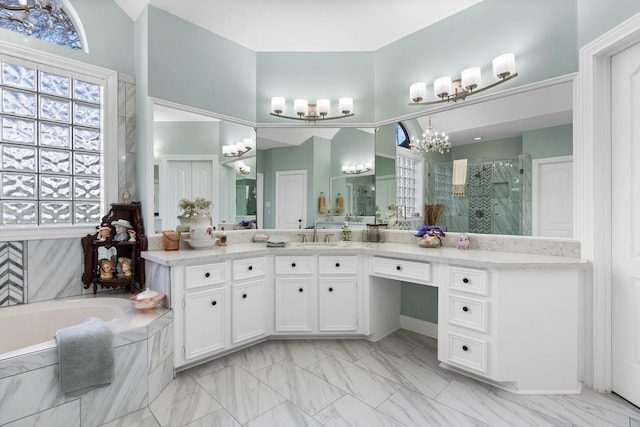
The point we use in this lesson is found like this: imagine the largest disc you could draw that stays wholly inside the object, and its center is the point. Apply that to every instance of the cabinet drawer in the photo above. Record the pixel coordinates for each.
(469, 280)
(468, 352)
(469, 312)
(248, 268)
(293, 265)
(337, 264)
(410, 271)
(204, 275)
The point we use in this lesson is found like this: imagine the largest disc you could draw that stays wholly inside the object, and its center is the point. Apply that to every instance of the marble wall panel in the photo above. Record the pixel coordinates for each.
(67, 415)
(54, 269)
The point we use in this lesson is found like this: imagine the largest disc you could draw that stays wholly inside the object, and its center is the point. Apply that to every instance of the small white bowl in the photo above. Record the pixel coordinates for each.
(201, 244)
(147, 300)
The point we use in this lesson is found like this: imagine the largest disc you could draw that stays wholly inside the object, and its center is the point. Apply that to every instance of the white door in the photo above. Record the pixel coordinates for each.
(552, 204)
(184, 179)
(291, 199)
(625, 207)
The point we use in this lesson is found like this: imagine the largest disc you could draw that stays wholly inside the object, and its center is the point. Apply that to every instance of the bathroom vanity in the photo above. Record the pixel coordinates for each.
(506, 318)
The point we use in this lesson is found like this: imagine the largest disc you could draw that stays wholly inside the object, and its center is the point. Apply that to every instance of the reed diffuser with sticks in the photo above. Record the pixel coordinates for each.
(432, 213)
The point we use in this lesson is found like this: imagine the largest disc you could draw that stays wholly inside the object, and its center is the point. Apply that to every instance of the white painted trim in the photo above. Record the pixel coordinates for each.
(419, 326)
(592, 150)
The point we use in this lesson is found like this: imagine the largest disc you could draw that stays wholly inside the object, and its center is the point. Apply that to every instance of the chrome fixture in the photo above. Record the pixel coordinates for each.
(431, 141)
(243, 168)
(311, 112)
(448, 90)
(238, 149)
(356, 169)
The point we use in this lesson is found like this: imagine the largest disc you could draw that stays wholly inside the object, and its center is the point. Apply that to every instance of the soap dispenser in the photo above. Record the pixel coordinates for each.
(346, 232)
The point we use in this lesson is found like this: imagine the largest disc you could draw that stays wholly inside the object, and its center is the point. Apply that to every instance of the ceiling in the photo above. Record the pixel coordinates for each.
(307, 25)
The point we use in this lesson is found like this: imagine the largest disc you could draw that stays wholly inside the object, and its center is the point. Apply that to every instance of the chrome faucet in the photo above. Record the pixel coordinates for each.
(315, 230)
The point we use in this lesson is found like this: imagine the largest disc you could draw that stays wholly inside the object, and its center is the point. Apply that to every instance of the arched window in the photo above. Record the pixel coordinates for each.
(42, 19)
(409, 167)
(402, 136)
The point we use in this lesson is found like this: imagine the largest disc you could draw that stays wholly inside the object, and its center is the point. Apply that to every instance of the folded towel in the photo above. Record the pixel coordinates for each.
(323, 203)
(339, 204)
(277, 242)
(459, 177)
(85, 356)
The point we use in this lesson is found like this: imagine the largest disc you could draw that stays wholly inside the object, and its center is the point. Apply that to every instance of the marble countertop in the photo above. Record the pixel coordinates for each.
(470, 258)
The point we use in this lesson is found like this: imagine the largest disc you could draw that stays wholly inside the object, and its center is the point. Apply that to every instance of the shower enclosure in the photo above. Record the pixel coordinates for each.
(497, 198)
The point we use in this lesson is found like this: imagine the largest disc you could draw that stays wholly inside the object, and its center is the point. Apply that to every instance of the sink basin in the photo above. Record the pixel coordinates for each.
(317, 245)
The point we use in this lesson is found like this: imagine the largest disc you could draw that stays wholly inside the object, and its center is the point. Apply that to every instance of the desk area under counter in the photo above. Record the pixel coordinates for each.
(508, 318)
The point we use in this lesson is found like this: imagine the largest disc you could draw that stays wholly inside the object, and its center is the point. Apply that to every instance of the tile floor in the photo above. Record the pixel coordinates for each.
(394, 382)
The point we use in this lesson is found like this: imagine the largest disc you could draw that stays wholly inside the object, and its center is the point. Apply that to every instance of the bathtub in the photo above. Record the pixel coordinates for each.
(29, 384)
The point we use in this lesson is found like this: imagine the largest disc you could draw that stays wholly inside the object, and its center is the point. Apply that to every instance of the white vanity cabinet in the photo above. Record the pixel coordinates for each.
(338, 293)
(294, 299)
(248, 307)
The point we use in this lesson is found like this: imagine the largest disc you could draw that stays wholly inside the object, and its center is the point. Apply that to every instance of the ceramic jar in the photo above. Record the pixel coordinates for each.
(201, 229)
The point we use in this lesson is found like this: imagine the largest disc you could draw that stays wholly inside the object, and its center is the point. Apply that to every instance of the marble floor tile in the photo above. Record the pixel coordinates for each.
(414, 409)
(351, 412)
(396, 344)
(609, 401)
(285, 414)
(302, 388)
(209, 367)
(141, 418)
(417, 339)
(359, 382)
(181, 402)
(301, 352)
(404, 372)
(254, 358)
(351, 350)
(219, 418)
(240, 393)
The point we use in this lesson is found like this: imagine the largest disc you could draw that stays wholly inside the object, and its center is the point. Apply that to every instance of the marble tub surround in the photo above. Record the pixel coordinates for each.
(486, 242)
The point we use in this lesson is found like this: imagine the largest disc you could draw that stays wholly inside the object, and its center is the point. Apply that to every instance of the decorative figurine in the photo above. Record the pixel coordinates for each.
(126, 197)
(463, 241)
(122, 225)
(132, 235)
(125, 267)
(106, 269)
(104, 232)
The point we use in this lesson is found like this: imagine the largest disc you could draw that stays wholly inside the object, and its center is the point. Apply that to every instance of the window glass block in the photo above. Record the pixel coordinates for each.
(86, 115)
(55, 85)
(55, 161)
(55, 187)
(18, 103)
(53, 135)
(87, 212)
(85, 91)
(55, 109)
(86, 164)
(87, 188)
(86, 139)
(21, 186)
(17, 76)
(55, 213)
(18, 130)
(18, 213)
(18, 158)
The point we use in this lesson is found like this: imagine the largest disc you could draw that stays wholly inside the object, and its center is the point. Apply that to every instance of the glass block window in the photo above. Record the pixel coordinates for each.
(408, 175)
(51, 159)
(42, 19)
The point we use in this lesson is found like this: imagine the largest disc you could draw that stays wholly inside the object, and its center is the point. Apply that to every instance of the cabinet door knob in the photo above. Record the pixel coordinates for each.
(300, 290)
(330, 289)
(465, 308)
(207, 274)
(465, 280)
(214, 302)
(250, 267)
(398, 267)
(293, 264)
(244, 295)
(465, 348)
(337, 264)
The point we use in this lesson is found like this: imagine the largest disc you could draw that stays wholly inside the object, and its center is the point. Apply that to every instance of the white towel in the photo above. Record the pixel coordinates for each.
(459, 184)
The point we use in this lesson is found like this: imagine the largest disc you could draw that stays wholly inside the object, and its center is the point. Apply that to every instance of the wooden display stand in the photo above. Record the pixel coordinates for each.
(113, 260)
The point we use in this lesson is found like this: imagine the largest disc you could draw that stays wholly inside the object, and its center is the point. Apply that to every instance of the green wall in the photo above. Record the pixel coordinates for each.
(550, 142)
(186, 138)
(419, 302)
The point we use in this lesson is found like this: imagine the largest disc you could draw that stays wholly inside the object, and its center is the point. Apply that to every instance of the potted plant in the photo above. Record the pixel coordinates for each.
(199, 207)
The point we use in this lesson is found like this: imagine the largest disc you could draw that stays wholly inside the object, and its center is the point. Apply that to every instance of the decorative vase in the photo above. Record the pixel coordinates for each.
(430, 241)
(201, 229)
(185, 224)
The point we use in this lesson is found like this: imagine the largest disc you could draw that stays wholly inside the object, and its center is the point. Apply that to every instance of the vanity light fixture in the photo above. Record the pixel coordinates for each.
(431, 141)
(238, 149)
(311, 112)
(356, 169)
(447, 90)
(243, 168)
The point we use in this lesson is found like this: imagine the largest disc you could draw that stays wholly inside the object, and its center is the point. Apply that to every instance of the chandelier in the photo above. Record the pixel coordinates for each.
(431, 141)
(311, 112)
(238, 149)
(448, 90)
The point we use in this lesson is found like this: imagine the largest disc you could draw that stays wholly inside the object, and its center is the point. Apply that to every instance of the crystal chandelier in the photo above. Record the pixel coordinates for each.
(431, 141)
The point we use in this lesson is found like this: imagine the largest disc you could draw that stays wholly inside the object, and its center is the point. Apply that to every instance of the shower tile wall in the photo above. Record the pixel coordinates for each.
(13, 271)
(479, 193)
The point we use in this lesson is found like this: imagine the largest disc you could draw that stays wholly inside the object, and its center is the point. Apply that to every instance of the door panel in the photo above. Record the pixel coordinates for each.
(552, 202)
(291, 199)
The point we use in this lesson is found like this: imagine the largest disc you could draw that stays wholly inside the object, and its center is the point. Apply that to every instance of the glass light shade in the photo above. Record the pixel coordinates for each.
(442, 86)
(301, 106)
(233, 150)
(360, 167)
(368, 166)
(418, 91)
(240, 147)
(352, 168)
(345, 168)
(345, 105)
(277, 104)
(504, 65)
(471, 78)
(248, 142)
(226, 150)
(323, 106)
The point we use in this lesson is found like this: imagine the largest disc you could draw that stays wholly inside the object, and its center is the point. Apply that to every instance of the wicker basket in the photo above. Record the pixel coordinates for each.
(171, 240)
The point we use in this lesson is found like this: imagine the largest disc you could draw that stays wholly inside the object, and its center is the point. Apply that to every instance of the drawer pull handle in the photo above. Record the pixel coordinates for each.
(337, 264)
(250, 267)
(330, 289)
(244, 296)
(465, 308)
(301, 289)
(214, 302)
(465, 348)
(207, 274)
(465, 280)
(293, 264)
(398, 267)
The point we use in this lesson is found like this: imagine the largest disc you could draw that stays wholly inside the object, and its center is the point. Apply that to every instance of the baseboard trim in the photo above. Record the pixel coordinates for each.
(419, 326)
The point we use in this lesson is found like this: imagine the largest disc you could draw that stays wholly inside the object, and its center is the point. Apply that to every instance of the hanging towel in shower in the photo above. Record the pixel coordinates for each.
(339, 204)
(459, 184)
(322, 203)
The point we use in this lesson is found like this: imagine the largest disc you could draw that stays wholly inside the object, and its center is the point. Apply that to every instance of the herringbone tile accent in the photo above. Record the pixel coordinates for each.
(12, 273)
